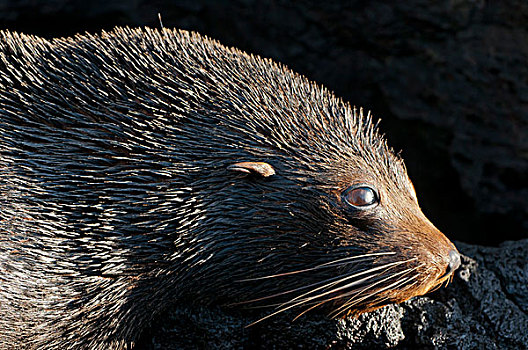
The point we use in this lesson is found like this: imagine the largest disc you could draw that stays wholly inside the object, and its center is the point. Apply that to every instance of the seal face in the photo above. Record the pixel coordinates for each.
(139, 168)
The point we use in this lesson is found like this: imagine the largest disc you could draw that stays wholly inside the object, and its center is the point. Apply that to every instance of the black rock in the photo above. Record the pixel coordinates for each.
(485, 307)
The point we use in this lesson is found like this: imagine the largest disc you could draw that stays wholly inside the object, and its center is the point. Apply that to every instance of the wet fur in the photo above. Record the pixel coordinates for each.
(116, 198)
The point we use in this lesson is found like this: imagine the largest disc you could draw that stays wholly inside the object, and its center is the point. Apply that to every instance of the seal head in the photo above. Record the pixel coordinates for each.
(139, 168)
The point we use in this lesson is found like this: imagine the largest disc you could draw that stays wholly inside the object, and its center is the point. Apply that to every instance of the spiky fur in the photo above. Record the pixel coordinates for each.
(114, 196)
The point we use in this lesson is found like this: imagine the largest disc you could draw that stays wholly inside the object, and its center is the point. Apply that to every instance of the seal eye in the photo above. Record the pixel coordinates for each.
(361, 196)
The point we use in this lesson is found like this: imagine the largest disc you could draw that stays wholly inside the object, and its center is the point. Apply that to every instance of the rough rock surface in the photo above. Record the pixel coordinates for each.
(485, 307)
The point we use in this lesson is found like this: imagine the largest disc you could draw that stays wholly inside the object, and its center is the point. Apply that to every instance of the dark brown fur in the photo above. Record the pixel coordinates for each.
(117, 195)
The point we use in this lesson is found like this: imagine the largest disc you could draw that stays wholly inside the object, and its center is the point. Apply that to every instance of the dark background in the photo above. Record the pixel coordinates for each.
(449, 79)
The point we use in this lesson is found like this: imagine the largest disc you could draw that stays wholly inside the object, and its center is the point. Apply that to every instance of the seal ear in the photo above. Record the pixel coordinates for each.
(257, 168)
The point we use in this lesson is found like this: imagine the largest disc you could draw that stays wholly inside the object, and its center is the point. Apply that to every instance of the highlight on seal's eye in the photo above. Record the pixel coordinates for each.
(361, 196)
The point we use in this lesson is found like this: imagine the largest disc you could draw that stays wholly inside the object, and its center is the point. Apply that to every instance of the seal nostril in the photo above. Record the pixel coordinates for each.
(454, 260)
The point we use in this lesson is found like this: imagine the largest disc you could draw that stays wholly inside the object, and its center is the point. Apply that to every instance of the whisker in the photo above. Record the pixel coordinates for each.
(407, 287)
(332, 298)
(283, 293)
(340, 296)
(450, 279)
(298, 301)
(352, 301)
(325, 265)
(438, 286)
(357, 257)
(386, 266)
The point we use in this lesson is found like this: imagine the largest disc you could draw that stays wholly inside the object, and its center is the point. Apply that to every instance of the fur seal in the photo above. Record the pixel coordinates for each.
(141, 167)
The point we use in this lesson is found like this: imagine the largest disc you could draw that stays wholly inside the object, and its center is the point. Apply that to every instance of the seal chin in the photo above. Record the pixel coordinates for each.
(454, 263)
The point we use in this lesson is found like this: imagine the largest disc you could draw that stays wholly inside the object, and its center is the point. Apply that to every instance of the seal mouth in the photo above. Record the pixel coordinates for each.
(454, 263)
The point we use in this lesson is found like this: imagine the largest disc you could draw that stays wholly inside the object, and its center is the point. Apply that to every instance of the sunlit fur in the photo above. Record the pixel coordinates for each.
(116, 199)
